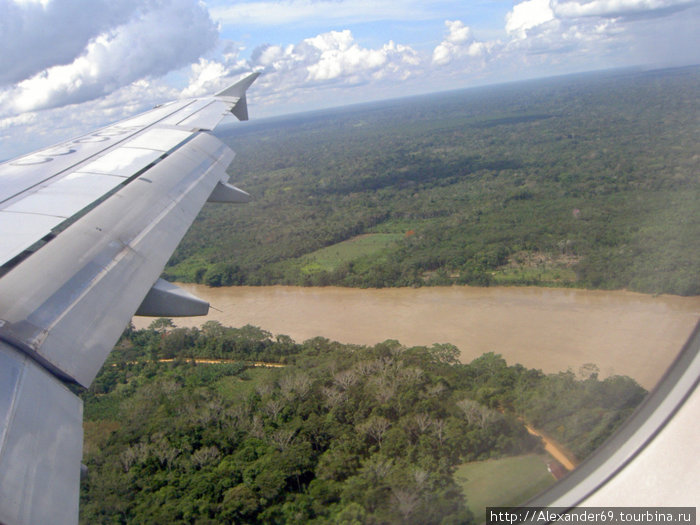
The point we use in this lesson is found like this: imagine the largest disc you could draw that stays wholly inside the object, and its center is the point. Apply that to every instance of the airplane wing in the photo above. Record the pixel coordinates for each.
(86, 228)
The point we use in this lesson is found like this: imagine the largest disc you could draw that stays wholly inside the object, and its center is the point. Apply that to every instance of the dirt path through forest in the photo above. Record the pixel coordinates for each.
(211, 361)
(555, 450)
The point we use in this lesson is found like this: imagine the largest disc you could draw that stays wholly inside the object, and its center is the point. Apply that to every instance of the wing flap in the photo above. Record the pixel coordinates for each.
(67, 196)
(45, 208)
(160, 138)
(123, 162)
(225, 192)
(204, 114)
(20, 231)
(207, 118)
(41, 167)
(167, 300)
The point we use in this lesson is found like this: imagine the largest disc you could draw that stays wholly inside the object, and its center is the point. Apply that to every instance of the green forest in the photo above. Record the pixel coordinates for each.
(586, 181)
(333, 433)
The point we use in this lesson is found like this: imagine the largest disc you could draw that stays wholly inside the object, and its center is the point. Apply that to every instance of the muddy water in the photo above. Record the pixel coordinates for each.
(552, 329)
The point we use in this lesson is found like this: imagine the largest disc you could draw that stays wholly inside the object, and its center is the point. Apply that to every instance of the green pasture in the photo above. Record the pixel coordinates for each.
(239, 386)
(331, 257)
(539, 276)
(502, 482)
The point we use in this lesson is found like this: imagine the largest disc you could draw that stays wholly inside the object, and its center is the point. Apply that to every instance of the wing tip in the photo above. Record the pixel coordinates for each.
(239, 88)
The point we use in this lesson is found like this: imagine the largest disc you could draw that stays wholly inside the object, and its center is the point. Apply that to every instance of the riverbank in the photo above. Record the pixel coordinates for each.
(548, 328)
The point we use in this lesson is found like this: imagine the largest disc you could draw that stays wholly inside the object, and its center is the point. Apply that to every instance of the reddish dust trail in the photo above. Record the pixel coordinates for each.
(210, 361)
(555, 450)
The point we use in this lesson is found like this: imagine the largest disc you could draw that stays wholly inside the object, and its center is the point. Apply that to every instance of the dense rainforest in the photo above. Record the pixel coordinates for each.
(588, 180)
(333, 433)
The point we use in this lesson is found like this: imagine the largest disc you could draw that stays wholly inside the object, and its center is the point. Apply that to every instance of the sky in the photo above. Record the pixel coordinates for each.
(70, 66)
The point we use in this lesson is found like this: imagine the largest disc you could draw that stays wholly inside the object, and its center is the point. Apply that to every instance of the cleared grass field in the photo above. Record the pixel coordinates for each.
(551, 276)
(502, 482)
(330, 257)
(232, 387)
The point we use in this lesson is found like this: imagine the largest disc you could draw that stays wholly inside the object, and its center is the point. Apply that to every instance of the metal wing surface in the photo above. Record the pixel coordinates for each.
(86, 228)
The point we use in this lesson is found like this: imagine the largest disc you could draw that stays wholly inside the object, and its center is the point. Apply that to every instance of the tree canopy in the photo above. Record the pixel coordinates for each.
(340, 434)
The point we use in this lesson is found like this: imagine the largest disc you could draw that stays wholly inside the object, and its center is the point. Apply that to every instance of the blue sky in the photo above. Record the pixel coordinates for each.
(69, 66)
(417, 23)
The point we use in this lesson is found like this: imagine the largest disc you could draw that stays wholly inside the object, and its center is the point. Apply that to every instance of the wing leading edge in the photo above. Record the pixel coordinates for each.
(85, 236)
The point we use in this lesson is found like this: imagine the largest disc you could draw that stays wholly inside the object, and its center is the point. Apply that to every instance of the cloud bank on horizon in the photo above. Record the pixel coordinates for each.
(67, 66)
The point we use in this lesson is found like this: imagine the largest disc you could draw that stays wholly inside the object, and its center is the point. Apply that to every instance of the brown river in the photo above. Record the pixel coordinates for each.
(551, 329)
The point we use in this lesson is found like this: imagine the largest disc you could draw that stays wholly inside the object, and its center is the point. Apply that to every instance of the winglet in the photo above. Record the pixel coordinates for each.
(237, 90)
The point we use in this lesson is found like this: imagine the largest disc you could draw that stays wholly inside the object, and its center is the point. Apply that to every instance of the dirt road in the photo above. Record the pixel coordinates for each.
(555, 450)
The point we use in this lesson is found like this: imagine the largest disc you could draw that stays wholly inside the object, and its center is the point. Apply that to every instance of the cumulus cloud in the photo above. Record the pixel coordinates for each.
(532, 17)
(334, 56)
(561, 46)
(202, 76)
(590, 30)
(526, 15)
(459, 43)
(311, 68)
(37, 35)
(160, 37)
(560, 36)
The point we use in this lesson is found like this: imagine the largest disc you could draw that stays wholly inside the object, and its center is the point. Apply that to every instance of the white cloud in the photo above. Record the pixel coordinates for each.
(594, 33)
(31, 130)
(18, 120)
(338, 56)
(526, 15)
(562, 15)
(335, 57)
(171, 35)
(306, 73)
(293, 72)
(38, 34)
(460, 43)
(210, 76)
(203, 74)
